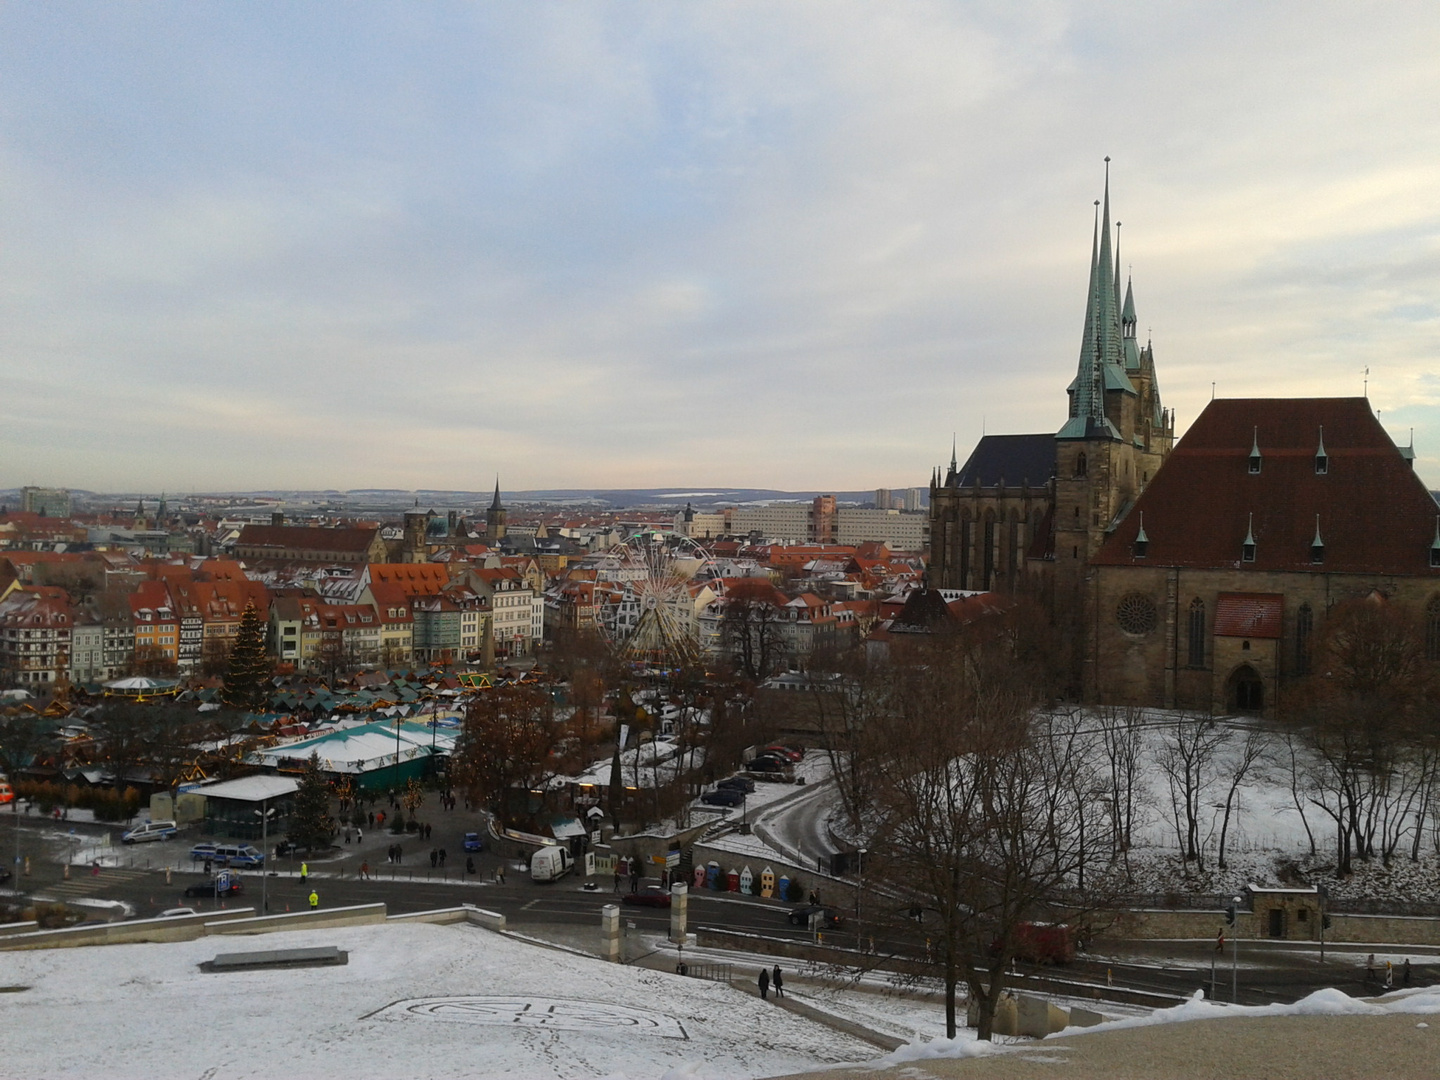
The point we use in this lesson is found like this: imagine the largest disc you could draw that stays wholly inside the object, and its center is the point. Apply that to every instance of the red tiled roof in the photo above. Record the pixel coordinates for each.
(305, 538)
(1249, 615)
(1375, 515)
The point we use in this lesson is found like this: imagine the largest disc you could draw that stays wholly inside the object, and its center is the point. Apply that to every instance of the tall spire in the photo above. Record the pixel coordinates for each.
(1087, 391)
(495, 504)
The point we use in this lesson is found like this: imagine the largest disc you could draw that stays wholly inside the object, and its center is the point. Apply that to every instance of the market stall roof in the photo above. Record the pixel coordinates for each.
(247, 788)
(363, 748)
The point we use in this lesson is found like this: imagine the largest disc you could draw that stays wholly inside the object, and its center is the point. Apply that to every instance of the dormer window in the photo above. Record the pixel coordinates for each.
(1435, 545)
(1255, 458)
(1142, 542)
(1317, 545)
(1247, 549)
(1322, 460)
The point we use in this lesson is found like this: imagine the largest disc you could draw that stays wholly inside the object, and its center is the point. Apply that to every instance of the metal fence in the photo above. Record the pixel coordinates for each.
(712, 972)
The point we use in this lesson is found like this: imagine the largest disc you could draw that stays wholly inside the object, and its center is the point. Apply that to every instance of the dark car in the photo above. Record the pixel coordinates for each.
(650, 896)
(789, 753)
(207, 888)
(765, 763)
(472, 842)
(723, 797)
(829, 917)
(738, 783)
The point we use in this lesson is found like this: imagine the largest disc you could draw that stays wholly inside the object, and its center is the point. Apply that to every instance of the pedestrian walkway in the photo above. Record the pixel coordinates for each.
(85, 883)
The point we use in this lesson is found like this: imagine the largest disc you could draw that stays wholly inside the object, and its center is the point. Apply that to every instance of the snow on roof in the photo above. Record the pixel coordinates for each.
(248, 788)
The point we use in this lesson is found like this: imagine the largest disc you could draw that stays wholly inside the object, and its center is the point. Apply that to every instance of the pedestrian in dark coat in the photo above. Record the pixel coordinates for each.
(617, 880)
(777, 982)
(1405, 973)
(764, 984)
(442, 856)
(434, 858)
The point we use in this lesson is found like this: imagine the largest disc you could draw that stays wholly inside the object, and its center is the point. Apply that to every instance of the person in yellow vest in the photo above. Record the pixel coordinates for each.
(304, 871)
(314, 900)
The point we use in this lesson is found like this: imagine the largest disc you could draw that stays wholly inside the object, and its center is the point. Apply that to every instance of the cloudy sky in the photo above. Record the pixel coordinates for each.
(793, 245)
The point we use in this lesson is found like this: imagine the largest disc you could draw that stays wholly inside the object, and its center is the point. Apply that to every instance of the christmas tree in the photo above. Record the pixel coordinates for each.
(247, 678)
(311, 825)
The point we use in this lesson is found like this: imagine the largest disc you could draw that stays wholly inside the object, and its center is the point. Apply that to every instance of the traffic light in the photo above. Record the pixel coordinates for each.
(1230, 915)
(1325, 922)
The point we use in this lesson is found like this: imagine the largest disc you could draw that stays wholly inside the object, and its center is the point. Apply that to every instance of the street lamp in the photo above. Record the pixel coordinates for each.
(264, 814)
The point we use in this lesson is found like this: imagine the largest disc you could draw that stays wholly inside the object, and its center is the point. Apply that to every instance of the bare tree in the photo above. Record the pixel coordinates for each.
(1187, 760)
(1252, 752)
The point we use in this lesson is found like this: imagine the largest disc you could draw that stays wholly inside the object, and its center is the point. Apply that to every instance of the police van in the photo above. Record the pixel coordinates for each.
(150, 830)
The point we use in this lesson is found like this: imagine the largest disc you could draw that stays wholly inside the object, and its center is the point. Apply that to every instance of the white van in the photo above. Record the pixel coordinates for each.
(550, 864)
(151, 830)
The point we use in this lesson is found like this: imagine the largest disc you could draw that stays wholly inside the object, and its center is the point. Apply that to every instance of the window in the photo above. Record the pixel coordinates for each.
(1136, 614)
(1195, 628)
(1080, 464)
(1322, 464)
(1247, 551)
(1304, 627)
(1432, 629)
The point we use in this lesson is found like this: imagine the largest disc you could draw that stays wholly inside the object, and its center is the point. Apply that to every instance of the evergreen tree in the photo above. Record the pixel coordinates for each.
(311, 825)
(247, 678)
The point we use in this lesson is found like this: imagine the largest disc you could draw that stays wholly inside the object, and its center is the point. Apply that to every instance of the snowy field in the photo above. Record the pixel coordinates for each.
(414, 1001)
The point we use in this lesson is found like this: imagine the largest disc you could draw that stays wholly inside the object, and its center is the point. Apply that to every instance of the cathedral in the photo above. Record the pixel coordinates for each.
(1052, 498)
(1193, 575)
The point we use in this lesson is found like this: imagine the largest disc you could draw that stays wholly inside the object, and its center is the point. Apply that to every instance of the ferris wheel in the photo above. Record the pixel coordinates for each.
(650, 614)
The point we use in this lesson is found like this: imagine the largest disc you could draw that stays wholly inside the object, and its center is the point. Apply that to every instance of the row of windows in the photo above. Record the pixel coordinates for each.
(1304, 630)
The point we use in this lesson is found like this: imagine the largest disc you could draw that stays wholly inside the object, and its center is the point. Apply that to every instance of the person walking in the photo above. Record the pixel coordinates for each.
(304, 872)
(777, 982)
(1405, 972)
(434, 858)
(442, 856)
(617, 879)
(359, 835)
(365, 870)
(399, 855)
(635, 876)
(764, 983)
(314, 900)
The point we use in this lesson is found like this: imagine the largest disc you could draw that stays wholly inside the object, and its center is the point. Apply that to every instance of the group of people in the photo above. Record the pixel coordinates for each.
(771, 978)
(437, 857)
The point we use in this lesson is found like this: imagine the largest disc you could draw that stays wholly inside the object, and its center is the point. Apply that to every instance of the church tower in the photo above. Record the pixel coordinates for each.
(495, 519)
(1118, 433)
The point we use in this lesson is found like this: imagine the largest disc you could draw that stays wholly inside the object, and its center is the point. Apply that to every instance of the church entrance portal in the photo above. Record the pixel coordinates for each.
(1246, 692)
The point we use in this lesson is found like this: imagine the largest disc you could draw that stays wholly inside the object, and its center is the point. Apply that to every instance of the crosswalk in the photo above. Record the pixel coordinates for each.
(84, 883)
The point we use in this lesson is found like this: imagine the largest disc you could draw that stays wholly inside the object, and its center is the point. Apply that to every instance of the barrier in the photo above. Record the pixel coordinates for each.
(359, 915)
(175, 928)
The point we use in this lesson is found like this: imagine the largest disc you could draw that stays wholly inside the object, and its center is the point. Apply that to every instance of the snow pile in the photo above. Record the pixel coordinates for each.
(414, 1001)
(1329, 1002)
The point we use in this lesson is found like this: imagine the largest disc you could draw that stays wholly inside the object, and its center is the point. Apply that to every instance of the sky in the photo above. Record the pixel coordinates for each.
(789, 245)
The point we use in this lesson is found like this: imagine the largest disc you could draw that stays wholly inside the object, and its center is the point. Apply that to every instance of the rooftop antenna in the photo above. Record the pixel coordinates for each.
(1212, 391)
(1367, 381)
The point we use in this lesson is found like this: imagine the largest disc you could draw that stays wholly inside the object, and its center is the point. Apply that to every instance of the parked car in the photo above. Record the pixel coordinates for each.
(150, 830)
(472, 842)
(207, 888)
(789, 753)
(723, 797)
(650, 896)
(739, 783)
(286, 847)
(830, 919)
(765, 763)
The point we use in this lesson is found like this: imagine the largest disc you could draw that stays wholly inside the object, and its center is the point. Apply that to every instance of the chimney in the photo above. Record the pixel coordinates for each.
(277, 518)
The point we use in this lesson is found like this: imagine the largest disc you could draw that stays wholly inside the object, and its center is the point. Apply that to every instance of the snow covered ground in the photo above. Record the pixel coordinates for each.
(414, 1001)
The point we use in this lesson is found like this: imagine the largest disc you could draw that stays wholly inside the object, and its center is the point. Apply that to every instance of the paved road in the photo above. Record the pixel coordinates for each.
(1270, 970)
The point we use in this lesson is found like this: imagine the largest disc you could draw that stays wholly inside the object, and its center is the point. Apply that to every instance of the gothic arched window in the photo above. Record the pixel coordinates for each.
(1432, 629)
(1080, 464)
(1304, 627)
(1195, 633)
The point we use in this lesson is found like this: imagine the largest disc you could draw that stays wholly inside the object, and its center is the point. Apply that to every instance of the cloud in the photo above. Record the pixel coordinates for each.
(787, 245)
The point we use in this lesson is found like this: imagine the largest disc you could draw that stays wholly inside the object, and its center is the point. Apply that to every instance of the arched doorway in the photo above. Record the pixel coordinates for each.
(1245, 691)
